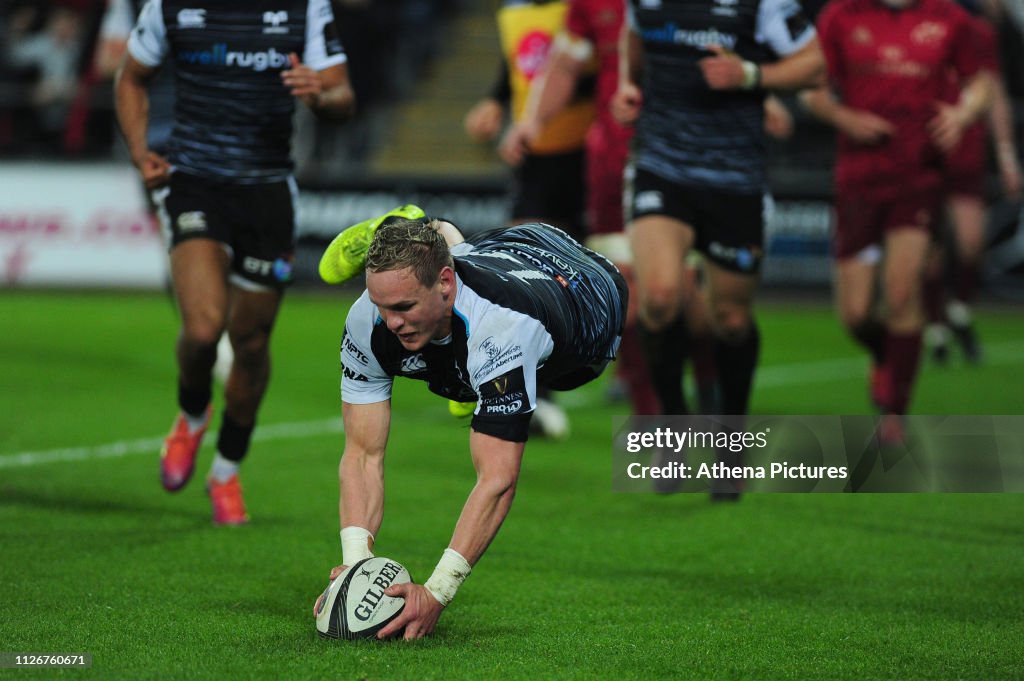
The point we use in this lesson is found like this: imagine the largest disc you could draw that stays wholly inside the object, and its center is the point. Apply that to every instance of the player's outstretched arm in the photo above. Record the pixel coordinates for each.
(497, 464)
(361, 477)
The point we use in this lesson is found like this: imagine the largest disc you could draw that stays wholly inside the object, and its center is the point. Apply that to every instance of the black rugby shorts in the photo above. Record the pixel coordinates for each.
(255, 222)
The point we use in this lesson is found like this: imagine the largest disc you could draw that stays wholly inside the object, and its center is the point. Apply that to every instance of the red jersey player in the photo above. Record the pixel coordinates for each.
(890, 61)
(965, 170)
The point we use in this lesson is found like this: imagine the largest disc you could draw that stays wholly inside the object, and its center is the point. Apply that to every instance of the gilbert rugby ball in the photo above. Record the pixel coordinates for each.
(354, 605)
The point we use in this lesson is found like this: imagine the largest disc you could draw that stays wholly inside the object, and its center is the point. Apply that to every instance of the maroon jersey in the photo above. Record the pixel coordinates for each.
(895, 63)
(599, 23)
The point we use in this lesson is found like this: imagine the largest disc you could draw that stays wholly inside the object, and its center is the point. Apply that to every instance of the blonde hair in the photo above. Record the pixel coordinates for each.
(403, 243)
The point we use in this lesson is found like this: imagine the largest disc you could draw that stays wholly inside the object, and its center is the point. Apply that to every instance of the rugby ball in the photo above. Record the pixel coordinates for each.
(354, 605)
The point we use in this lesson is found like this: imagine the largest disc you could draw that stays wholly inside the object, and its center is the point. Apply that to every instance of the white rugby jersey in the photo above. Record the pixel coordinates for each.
(532, 307)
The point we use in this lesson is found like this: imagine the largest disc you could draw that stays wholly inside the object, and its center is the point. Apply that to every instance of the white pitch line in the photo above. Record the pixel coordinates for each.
(826, 370)
(803, 373)
(151, 445)
(822, 371)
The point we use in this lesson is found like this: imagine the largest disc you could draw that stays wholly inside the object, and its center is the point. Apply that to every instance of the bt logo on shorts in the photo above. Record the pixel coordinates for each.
(280, 269)
(745, 258)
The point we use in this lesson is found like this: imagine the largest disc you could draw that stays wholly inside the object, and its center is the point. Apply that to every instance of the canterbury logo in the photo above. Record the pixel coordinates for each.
(411, 365)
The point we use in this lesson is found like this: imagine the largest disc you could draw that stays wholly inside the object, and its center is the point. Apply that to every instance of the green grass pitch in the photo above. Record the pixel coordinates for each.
(580, 583)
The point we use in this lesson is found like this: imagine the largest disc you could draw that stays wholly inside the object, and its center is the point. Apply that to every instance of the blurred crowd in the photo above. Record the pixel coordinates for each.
(56, 83)
(44, 73)
(56, 72)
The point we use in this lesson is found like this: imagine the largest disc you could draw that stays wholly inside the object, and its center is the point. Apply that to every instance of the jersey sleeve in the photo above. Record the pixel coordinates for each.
(363, 380)
(783, 26)
(502, 360)
(147, 43)
(828, 37)
(117, 21)
(323, 45)
(575, 38)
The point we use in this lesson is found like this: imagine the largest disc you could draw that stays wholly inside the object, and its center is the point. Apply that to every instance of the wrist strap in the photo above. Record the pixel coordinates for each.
(751, 75)
(355, 545)
(450, 573)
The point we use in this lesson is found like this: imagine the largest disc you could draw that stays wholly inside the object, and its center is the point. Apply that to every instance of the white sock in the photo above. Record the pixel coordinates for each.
(959, 313)
(936, 334)
(222, 469)
(195, 422)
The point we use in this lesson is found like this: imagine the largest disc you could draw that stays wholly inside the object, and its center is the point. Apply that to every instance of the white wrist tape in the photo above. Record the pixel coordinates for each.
(450, 573)
(751, 75)
(355, 545)
(578, 48)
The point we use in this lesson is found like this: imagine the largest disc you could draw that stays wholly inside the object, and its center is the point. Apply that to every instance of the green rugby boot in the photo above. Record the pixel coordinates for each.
(461, 410)
(345, 257)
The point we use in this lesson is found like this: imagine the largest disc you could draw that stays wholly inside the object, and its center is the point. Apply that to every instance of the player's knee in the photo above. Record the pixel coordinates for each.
(201, 333)
(659, 305)
(900, 298)
(251, 349)
(970, 248)
(732, 323)
(854, 317)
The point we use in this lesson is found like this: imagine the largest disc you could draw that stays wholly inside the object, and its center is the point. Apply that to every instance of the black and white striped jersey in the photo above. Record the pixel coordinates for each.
(233, 115)
(532, 306)
(688, 133)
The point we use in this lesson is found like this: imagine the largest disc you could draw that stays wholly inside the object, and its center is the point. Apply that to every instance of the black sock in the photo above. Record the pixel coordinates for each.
(192, 401)
(233, 441)
(666, 351)
(871, 334)
(736, 361)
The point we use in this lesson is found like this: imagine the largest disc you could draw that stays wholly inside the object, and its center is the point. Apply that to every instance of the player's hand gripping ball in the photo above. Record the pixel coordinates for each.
(354, 605)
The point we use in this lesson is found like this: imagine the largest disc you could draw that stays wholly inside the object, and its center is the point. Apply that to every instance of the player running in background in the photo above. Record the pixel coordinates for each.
(548, 179)
(591, 31)
(965, 172)
(699, 162)
(489, 320)
(889, 61)
(227, 196)
(111, 45)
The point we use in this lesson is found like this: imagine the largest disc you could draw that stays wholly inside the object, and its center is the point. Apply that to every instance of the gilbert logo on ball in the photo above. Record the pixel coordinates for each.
(354, 605)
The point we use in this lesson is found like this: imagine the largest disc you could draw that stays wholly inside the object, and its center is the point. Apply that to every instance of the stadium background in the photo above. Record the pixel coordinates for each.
(581, 583)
